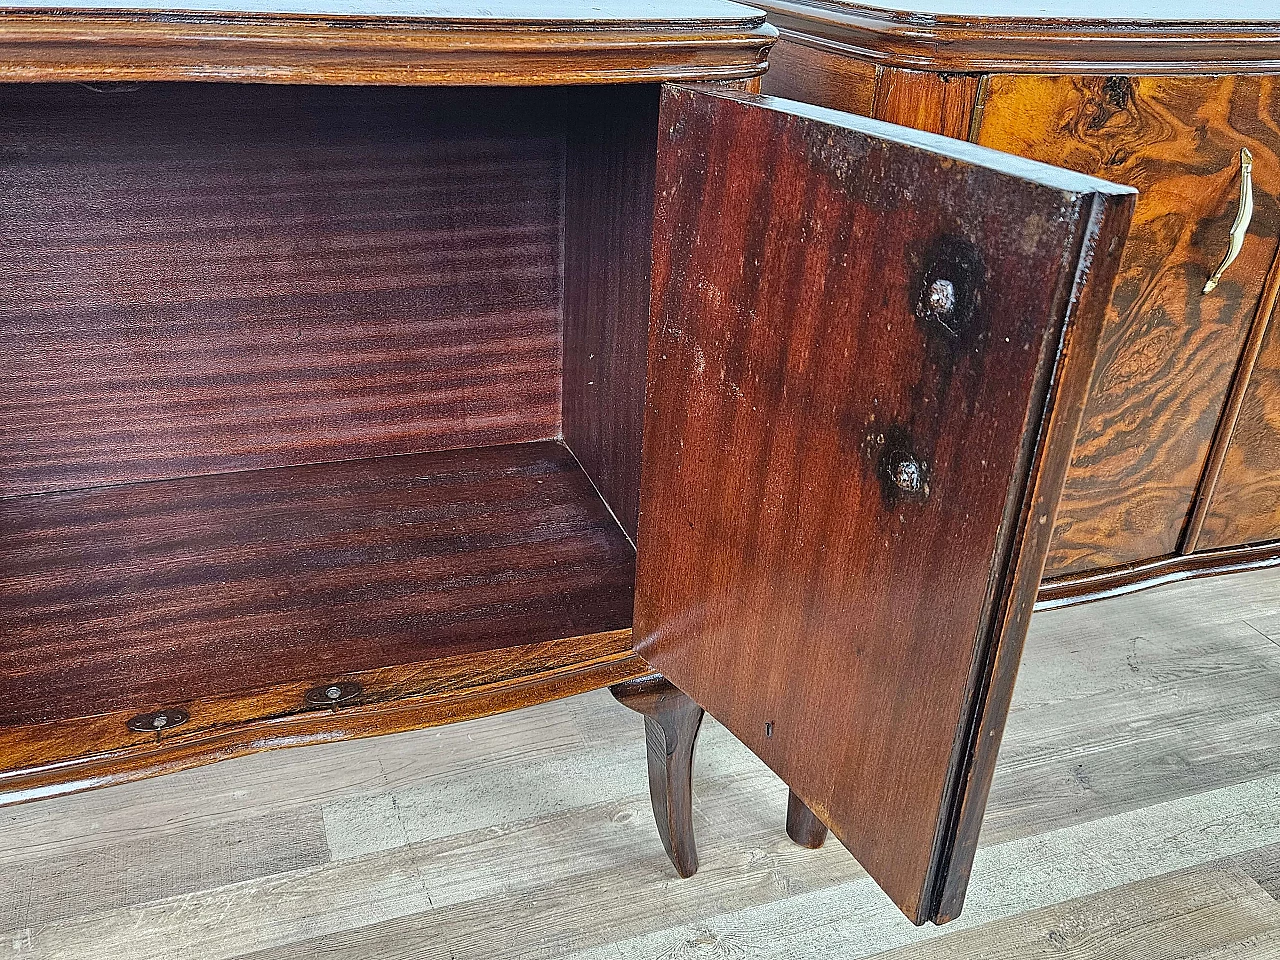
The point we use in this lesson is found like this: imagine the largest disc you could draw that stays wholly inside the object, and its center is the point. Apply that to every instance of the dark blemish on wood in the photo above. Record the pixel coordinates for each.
(1114, 96)
(903, 473)
(948, 288)
(1118, 91)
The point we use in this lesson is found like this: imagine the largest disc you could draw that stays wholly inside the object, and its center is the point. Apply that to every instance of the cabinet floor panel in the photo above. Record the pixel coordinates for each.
(151, 595)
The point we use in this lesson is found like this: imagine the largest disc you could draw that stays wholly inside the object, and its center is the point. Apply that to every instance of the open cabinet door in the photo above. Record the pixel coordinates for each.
(869, 349)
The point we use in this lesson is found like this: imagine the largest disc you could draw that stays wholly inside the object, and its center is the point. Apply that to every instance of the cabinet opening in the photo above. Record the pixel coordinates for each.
(305, 381)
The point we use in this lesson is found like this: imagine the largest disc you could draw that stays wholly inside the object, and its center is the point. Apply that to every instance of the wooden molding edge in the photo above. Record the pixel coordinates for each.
(951, 44)
(1117, 581)
(64, 757)
(127, 46)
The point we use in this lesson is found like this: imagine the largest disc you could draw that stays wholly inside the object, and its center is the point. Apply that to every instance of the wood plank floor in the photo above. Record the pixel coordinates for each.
(1135, 814)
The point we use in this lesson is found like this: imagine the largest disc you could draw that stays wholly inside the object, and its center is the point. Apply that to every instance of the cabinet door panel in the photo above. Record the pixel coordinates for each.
(1245, 505)
(1167, 351)
(868, 353)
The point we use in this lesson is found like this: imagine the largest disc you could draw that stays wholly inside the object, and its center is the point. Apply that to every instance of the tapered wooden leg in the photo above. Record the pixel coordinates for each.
(802, 826)
(671, 722)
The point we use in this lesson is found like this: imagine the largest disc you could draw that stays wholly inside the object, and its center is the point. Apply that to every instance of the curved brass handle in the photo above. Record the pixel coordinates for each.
(1243, 216)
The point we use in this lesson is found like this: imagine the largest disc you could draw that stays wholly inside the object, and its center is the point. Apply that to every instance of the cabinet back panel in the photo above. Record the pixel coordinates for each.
(200, 278)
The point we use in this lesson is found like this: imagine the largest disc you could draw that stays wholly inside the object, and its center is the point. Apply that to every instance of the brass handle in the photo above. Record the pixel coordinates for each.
(1243, 216)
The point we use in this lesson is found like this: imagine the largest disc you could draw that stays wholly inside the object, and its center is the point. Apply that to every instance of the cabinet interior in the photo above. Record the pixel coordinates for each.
(298, 381)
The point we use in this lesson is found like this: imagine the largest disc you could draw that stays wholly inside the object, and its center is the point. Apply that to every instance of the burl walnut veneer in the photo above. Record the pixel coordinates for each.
(367, 368)
(1176, 470)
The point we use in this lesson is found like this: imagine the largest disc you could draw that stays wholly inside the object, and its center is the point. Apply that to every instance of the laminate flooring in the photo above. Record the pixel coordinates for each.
(1135, 814)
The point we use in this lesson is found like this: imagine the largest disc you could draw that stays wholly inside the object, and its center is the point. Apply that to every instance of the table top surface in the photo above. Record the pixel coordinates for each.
(1044, 36)
(534, 12)
(457, 42)
(1078, 11)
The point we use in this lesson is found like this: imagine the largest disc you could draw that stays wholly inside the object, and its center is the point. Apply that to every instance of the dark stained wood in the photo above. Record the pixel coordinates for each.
(837, 464)
(612, 137)
(1167, 352)
(1030, 36)
(671, 722)
(68, 756)
(934, 102)
(800, 71)
(203, 278)
(149, 595)
(1131, 577)
(1100, 256)
(802, 826)
(1254, 458)
(385, 42)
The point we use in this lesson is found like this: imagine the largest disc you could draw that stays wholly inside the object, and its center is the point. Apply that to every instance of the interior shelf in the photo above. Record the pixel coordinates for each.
(146, 595)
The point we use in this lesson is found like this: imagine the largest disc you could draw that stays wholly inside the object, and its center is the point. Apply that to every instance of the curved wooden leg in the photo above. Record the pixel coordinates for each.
(802, 826)
(671, 722)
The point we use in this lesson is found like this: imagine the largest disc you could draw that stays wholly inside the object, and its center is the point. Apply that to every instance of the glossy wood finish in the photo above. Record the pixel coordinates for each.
(384, 42)
(926, 101)
(1025, 36)
(802, 826)
(1245, 505)
(805, 70)
(70, 756)
(1236, 395)
(671, 722)
(836, 464)
(527, 836)
(612, 139)
(1178, 372)
(1131, 578)
(1168, 352)
(153, 595)
(205, 278)
(801, 71)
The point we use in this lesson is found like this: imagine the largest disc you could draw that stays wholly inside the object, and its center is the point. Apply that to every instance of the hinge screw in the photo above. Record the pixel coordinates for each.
(942, 299)
(907, 474)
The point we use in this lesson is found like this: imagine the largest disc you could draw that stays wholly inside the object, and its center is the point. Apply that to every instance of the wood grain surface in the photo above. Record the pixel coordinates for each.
(69, 756)
(926, 101)
(385, 42)
(1167, 351)
(1140, 774)
(149, 595)
(1231, 410)
(804, 69)
(1245, 504)
(798, 70)
(608, 233)
(846, 486)
(1145, 574)
(203, 278)
(979, 36)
